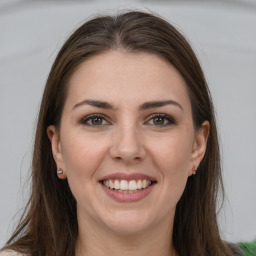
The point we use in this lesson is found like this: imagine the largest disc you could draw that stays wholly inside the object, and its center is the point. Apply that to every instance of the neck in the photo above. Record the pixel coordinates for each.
(95, 241)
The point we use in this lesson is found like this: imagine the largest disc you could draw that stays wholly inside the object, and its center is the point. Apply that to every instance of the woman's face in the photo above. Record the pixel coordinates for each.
(126, 142)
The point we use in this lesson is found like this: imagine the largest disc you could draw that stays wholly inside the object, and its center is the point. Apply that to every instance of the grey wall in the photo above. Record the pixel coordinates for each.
(224, 37)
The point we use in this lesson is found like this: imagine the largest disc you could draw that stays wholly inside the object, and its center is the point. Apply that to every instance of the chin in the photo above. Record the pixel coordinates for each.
(128, 222)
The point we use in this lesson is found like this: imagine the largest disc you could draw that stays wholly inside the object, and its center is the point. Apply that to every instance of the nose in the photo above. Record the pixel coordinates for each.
(127, 145)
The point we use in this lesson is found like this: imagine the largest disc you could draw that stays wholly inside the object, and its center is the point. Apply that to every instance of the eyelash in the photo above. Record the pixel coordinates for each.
(169, 119)
(86, 119)
(166, 118)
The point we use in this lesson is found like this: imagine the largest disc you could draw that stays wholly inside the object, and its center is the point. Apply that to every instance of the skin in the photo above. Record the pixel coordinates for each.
(127, 139)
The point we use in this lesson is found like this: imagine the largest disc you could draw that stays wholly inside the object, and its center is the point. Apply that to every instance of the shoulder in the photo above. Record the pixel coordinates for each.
(248, 248)
(10, 253)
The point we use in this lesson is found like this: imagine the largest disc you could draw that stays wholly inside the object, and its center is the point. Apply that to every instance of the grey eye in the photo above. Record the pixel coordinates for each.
(161, 120)
(94, 120)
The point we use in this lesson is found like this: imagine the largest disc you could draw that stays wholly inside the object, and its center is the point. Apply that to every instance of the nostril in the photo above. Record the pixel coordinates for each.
(127, 152)
(123, 158)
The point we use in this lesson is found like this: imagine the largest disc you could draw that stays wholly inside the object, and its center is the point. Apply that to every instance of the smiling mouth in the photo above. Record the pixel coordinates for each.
(127, 186)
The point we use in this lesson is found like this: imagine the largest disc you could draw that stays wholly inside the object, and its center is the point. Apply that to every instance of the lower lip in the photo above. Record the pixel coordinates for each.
(128, 197)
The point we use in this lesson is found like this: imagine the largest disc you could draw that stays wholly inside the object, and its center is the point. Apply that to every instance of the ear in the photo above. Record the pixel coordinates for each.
(199, 146)
(54, 138)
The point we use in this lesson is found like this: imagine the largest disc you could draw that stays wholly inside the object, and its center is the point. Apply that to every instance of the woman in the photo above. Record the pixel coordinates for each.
(127, 124)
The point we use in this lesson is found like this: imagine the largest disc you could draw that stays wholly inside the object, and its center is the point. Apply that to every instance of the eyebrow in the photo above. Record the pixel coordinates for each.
(157, 104)
(95, 103)
(144, 106)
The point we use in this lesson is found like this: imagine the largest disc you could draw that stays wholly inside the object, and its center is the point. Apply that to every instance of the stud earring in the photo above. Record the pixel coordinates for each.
(194, 170)
(59, 171)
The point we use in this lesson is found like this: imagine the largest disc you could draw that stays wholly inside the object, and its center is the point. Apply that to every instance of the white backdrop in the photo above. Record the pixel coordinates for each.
(224, 38)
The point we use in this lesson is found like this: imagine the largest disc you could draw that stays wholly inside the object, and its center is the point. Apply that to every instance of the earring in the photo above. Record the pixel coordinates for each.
(194, 170)
(59, 171)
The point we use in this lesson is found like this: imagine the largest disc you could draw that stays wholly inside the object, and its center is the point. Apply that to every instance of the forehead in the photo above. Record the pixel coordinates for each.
(119, 76)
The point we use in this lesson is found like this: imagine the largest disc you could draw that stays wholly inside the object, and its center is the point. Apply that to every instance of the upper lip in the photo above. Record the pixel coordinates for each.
(125, 176)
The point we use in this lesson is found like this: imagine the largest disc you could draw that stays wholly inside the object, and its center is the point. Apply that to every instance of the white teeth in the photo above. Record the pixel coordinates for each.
(132, 185)
(124, 185)
(145, 183)
(111, 184)
(139, 184)
(127, 186)
(116, 184)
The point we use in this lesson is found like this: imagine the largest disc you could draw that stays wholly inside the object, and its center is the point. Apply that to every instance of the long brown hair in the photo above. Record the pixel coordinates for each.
(49, 224)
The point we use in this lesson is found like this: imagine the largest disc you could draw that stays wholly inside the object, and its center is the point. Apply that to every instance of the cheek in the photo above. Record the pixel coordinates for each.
(82, 154)
(172, 158)
(174, 167)
(173, 155)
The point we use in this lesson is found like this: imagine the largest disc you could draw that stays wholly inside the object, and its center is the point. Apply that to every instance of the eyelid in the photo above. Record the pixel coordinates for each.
(85, 119)
(169, 118)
